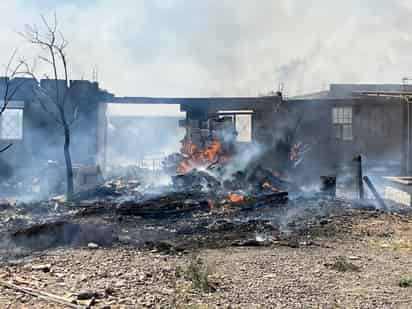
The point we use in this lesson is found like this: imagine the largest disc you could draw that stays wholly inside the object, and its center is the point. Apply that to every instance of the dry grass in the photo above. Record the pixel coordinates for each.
(342, 264)
(198, 273)
(402, 244)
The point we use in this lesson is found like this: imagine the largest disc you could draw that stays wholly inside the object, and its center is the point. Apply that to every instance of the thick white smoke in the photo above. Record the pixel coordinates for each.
(230, 47)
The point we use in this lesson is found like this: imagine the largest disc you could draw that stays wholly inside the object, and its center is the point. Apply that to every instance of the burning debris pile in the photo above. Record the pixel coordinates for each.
(210, 161)
(205, 189)
(207, 143)
(217, 196)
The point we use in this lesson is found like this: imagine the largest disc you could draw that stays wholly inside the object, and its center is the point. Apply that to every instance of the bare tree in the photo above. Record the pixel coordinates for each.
(53, 47)
(11, 86)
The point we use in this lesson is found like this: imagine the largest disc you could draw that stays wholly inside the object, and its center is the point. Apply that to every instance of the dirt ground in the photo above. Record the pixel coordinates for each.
(363, 263)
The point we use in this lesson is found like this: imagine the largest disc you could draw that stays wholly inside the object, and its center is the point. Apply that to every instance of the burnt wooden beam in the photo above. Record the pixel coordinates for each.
(375, 193)
(358, 159)
(217, 102)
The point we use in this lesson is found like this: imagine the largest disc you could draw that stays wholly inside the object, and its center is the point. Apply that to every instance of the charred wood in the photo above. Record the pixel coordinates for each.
(375, 193)
(175, 204)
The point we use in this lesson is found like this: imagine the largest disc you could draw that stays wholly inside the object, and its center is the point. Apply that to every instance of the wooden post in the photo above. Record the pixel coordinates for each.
(358, 159)
(381, 202)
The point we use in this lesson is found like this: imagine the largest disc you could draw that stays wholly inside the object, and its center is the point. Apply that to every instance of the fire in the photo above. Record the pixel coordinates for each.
(196, 157)
(267, 185)
(235, 197)
(293, 156)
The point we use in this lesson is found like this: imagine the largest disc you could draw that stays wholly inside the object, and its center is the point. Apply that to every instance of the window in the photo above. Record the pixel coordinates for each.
(244, 128)
(242, 124)
(11, 124)
(342, 123)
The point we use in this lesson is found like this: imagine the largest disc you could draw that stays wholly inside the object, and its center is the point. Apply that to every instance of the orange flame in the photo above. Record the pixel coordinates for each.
(267, 185)
(293, 156)
(235, 197)
(196, 157)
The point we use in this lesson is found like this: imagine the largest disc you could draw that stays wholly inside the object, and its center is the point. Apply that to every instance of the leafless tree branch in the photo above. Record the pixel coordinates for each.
(5, 148)
(53, 43)
(11, 87)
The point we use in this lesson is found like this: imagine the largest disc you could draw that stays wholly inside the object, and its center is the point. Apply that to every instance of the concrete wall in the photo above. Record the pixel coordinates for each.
(43, 135)
(377, 133)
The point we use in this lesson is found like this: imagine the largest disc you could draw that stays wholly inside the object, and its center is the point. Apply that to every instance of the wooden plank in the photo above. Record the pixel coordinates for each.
(40, 294)
(401, 180)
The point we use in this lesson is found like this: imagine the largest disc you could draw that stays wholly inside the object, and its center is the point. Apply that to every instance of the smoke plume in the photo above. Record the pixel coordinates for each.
(231, 47)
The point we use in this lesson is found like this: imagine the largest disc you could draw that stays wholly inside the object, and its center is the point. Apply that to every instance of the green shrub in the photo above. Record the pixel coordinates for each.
(405, 283)
(198, 272)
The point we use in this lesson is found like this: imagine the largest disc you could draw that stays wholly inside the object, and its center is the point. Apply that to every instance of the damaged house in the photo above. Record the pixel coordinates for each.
(356, 119)
(36, 137)
(352, 119)
(324, 128)
(312, 133)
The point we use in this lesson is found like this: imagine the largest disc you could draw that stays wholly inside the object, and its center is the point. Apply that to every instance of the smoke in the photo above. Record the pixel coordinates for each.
(133, 140)
(242, 159)
(231, 47)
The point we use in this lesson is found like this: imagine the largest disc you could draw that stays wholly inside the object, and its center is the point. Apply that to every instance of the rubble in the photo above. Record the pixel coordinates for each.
(279, 272)
(199, 208)
(163, 206)
(196, 180)
(207, 207)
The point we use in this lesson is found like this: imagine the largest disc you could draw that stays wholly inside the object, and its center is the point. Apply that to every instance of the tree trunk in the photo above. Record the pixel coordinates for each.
(69, 167)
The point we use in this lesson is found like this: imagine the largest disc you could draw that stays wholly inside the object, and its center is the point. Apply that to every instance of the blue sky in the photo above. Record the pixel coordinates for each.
(224, 47)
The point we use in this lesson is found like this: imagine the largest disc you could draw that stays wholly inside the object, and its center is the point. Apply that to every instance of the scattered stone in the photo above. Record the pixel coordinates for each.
(86, 302)
(42, 267)
(249, 243)
(92, 245)
(341, 264)
(86, 295)
(108, 291)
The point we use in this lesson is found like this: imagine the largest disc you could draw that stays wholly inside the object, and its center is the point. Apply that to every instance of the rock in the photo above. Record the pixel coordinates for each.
(92, 245)
(248, 243)
(109, 291)
(7, 204)
(86, 302)
(86, 295)
(59, 275)
(41, 267)
(120, 283)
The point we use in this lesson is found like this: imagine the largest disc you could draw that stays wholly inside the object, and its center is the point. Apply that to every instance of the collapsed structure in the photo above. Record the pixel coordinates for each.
(316, 131)
(243, 175)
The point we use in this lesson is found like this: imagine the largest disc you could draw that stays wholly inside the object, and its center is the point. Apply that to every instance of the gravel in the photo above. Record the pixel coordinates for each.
(277, 276)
